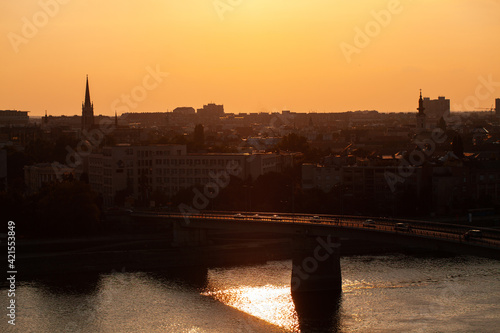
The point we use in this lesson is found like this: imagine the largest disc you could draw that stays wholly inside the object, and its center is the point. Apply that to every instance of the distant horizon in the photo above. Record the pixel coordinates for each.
(243, 113)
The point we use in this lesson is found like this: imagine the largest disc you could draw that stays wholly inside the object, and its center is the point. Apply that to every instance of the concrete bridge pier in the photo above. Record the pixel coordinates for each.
(316, 281)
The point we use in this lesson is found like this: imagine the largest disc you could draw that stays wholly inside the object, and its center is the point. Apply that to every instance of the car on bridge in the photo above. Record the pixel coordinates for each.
(369, 223)
(473, 233)
(402, 227)
(238, 216)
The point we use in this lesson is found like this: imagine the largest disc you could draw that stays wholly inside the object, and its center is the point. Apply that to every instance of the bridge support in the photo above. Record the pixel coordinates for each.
(316, 266)
(316, 282)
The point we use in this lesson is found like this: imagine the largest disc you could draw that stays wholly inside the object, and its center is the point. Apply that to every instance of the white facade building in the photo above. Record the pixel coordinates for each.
(168, 168)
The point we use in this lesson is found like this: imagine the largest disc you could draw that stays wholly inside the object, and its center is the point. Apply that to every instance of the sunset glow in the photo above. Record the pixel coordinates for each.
(250, 55)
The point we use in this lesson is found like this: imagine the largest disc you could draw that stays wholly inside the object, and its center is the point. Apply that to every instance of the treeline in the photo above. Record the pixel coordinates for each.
(67, 208)
(282, 192)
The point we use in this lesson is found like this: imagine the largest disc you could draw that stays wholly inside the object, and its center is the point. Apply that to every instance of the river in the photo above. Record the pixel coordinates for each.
(389, 293)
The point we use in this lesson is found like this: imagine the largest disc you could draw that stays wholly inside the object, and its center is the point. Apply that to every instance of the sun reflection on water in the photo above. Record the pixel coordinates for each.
(270, 303)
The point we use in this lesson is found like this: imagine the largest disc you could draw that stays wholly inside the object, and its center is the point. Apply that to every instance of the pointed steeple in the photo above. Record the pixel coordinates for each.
(87, 94)
(87, 109)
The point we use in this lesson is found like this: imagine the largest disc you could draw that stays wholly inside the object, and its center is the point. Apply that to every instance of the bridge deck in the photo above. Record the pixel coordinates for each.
(386, 230)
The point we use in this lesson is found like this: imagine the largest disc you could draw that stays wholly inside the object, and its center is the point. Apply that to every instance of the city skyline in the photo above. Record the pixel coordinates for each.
(249, 56)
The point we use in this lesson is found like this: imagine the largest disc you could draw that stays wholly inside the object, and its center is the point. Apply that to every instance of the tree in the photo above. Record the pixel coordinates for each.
(199, 136)
(458, 146)
(442, 124)
(294, 142)
(67, 208)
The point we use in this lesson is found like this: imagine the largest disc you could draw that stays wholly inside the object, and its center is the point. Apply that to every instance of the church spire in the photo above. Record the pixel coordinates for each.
(87, 94)
(420, 104)
(421, 124)
(87, 109)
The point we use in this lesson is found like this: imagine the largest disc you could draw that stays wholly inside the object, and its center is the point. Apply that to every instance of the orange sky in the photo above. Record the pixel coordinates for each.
(250, 55)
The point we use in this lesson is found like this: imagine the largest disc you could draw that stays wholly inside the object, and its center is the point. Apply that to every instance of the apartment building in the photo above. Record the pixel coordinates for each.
(143, 170)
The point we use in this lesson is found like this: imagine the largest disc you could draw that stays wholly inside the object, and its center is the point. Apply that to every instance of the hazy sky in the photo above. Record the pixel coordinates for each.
(250, 55)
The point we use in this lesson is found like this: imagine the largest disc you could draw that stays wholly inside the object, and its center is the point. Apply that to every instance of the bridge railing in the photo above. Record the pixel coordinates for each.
(421, 228)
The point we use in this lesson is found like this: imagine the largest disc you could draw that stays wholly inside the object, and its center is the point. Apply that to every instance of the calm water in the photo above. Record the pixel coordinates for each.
(392, 293)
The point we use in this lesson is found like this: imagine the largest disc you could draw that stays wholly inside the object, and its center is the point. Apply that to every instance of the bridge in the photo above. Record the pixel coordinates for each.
(317, 238)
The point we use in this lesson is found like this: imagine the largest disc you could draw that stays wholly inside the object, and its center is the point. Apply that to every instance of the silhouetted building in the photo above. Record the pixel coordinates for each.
(184, 111)
(14, 118)
(35, 176)
(211, 110)
(363, 180)
(497, 107)
(435, 109)
(87, 110)
(421, 123)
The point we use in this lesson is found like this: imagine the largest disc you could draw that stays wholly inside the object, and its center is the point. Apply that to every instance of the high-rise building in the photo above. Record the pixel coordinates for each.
(497, 107)
(436, 108)
(87, 110)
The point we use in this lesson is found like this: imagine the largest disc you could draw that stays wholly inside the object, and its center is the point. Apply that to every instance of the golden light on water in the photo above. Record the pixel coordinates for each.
(353, 286)
(270, 303)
